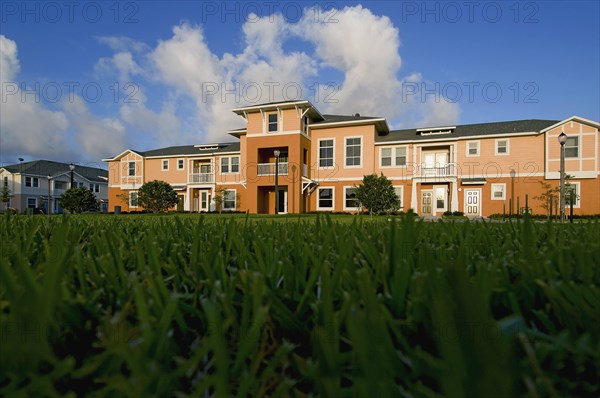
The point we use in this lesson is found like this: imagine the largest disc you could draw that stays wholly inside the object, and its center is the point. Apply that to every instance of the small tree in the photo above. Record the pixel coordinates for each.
(219, 198)
(5, 196)
(550, 193)
(124, 197)
(78, 200)
(377, 194)
(157, 196)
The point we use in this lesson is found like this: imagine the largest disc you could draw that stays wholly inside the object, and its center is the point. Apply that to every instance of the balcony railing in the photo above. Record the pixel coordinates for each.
(200, 178)
(445, 170)
(268, 169)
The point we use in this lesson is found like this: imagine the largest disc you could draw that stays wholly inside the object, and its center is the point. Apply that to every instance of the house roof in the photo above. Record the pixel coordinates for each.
(468, 130)
(203, 149)
(335, 120)
(43, 168)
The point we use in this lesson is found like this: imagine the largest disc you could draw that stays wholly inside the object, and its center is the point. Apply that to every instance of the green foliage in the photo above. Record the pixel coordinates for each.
(157, 196)
(78, 200)
(377, 194)
(551, 194)
(5, 195)
(160, 305)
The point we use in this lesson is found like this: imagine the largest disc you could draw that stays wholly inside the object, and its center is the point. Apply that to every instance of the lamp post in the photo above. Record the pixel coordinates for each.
(71, 167)
(276, 153)
(513, 173)
(562, 139)
(49, 209)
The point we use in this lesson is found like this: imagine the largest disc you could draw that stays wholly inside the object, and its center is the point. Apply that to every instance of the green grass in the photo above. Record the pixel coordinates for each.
(188, 305)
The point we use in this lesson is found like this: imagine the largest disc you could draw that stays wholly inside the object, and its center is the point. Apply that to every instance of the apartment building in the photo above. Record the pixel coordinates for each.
(479, 169)
(32, 183)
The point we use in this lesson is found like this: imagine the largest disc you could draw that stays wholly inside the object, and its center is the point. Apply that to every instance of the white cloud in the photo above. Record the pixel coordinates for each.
(9, 63)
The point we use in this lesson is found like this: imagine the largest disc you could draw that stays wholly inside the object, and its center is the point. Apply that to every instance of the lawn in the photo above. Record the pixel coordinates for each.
(236, 305)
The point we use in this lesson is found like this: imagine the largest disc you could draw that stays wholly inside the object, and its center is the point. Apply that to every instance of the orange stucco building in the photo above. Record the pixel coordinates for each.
(479, 169)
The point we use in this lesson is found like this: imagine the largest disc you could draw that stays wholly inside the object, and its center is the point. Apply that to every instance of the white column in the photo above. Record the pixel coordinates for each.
(454, 201)
(413, 197)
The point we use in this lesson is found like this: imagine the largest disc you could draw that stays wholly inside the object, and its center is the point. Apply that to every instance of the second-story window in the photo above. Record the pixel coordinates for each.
(353, 151)
(273, 122)
(502, 147)
(326, 153)
(235, 164)
(60, 185)
(572, 147)
(33, 182)
(224, 165)
(180, 164)
(6, 181)
(473, 148)
(165, 165)
(393, 156)
(131, 168)
(230, 164)
(95, 187)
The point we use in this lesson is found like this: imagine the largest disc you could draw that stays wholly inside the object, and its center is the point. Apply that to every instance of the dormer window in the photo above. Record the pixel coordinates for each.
(273, 123)
(436, 130)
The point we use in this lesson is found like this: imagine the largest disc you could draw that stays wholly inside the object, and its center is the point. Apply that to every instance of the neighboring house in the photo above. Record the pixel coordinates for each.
(479, 169)
(30, 183)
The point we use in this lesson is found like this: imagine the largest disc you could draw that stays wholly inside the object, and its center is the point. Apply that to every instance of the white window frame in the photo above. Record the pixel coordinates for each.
(319, 207)
(129, 163)
(276, 122)
(319, 153)
(36, 203)
(507, 147)
(354, 166)
(180, 164)
(229, 169)
(503, 190)
(94, 187)
(571, 147)
(478, 143)
(165, 162)
(577, 204)
(34, 182)
(224, 161)
(131, 205)
(393, 156)
(225, 193)
(345, 198)
(401, 196)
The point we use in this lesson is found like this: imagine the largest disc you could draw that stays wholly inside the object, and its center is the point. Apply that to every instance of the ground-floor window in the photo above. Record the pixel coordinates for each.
(133, 199)
(31, 203)
(440, 198)
(325, 198)
(574, 187)
(350, 202)
(229, 199)
(498, 191)
(400, 193)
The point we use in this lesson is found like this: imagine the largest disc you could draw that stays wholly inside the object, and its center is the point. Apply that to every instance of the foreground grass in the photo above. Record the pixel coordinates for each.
(315, 306)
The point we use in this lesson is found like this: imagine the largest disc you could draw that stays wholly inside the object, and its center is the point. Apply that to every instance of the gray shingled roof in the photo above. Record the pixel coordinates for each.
(467, 130)
(44, 168)
(343, 118)
(192, 150)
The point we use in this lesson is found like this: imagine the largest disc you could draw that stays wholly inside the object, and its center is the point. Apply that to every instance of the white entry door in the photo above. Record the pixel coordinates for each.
(204, 201)
(472, 202)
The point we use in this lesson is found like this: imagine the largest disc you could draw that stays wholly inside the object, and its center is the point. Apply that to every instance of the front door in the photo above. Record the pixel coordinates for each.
(427, 203)
(472, 202)
(204, 201)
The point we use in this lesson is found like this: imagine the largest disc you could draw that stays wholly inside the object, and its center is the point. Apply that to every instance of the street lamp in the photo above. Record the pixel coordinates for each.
(276, 153)
(562, 139)
(513, 173)
(49, 209)
(71, 167)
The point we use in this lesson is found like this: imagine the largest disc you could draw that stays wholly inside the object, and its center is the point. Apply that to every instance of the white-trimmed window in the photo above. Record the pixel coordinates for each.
(180, 164)
(472, 148)
(393, 156)
(400, 193)
(31, 203)
(77, 184)
(230, 164)
(350, 201)
(576, 188)
(6, 181)
(95, 187)
(502, 147)
(165, 165)
(131, 168)
(326, 150)
(325, 198)
(572, 147)
(133, 199)
(60, 184)
(353, 152)
(272, 123)
(229, 199)
(33, 182)
(498, 191)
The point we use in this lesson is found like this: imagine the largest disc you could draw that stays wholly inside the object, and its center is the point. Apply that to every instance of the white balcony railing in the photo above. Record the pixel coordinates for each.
(445, 170)
(268, 169)
(200, 178)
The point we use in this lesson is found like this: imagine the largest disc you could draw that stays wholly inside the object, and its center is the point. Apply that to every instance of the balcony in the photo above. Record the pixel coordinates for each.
(201, 178)
(442, 170)
(268, 169)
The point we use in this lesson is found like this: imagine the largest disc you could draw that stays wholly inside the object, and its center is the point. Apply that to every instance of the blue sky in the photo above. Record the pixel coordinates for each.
(85, 80)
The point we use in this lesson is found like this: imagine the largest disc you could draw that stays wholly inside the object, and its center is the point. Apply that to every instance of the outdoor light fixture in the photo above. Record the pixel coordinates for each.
(71, 167)
(562, 139)
(276, 152)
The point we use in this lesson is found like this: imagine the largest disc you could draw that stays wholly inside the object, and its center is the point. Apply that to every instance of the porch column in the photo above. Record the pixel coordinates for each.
(186, 201)
(413, 197)
(454, 201)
